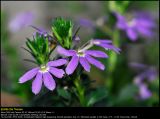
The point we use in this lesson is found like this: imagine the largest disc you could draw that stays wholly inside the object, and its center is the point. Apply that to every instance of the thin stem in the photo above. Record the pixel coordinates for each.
(113, 59)
(80, 91)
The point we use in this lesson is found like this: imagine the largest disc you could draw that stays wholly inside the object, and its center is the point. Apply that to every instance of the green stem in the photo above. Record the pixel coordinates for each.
(113, 59)
(80, 91)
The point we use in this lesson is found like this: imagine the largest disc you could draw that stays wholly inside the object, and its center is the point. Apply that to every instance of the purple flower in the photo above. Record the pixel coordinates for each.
(84, 57)
(138, 25)
(144, 92)
(43, 75)
(149, 74)
(107, 44)
(20, 21)
(40, 31)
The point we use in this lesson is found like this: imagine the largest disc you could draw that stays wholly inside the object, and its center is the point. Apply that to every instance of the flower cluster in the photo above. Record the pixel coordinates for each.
(142, 80)
(40, 49)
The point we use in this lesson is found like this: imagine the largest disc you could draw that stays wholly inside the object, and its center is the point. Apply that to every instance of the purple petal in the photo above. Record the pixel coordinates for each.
(95, 62)
(49, 81)
(65, 52)
(144, 92)
(20, 21)
(152, 74)
(145, 31)
(137, 65)
(41, 31)
(111, 47)
(132, 34)
(139, 79)
(99, 41)
(96, 53)
(85, 64)
(72, 65)
(37, 83)
(146, 23)
(121, 25)
(57, 63)
(77, 38)
(86, 22)
(29, 75)
(59, 73)
(121, 21)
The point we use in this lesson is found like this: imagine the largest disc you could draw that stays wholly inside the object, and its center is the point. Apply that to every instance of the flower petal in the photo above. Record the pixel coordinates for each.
(145, 31)
(132, 34)
(49, 81)
(111, 47)
(72, 65)
(57, 63)
(121, 21)
(86, 22)
(21, 21)
(144, 92)
(99, 41)
(59, 73)
(96, 53)
(29, 75)
(65, 52)
(37, 83)
(95, 62)
(85, 63)
(147, 23)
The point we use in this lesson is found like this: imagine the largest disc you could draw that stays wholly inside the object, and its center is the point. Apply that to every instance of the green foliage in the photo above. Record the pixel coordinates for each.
(97, 95)
(12, 69)
(39, 49)
(118, 6)
(63, 93)
(62, 30)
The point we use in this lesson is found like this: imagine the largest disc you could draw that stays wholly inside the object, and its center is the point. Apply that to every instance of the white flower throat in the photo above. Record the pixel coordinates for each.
(80, 54)
(44, 68)
(132, 23)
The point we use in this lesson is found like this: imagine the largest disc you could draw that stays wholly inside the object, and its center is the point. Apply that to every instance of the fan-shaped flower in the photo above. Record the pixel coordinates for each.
(147, 75)
(138, 25)
(43, 75)
(85, 57)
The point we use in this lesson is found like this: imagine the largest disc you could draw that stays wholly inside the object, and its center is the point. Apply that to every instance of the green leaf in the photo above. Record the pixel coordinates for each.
(31, 47)
(120, 6)
(127, 93)
(64, 93)
(97, 95)
(62, 30)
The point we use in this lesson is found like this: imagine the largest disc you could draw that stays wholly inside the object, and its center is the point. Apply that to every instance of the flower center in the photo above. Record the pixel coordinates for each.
(44, 68)
(131, 23)
(80, 54)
